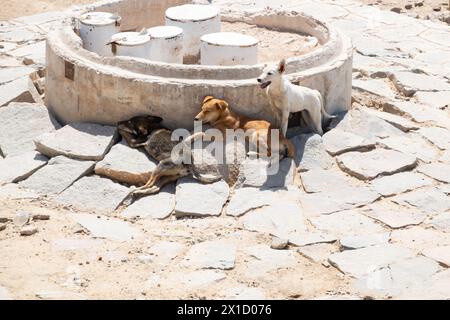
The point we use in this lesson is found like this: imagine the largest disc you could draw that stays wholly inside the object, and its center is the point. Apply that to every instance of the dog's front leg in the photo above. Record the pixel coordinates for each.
(284, 121)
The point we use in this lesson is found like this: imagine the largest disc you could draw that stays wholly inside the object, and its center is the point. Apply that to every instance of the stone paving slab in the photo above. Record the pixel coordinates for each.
(12, 191)
(426, 199)
(352, 242)
(437, 100)
(158, 206)
(196, 199)
(59, 174)
(20, 123)
(337, 142)
(94, 194)
(395, 216)
(437, 171)
(16, 91)
(258, 173)
(372, 164)
(440, 137)
(397, 121)
(18, 168)
(14, 73)
(440, 254)
(413, 145)
(244, 200)
(126, 165)
(311, 153)
(267, 260)
(420, 113)
(83, 141)
(400, 182)
(409, 83)
(216, 254)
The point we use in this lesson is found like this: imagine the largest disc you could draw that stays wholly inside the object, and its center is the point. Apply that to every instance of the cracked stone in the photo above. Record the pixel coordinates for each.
(427, 199)
(16, 91)
(369, 165)
(15, 138)
(94, 193)
(364, 240)
(20, 167)
(196, 199)
(311, 153)
(106, 228)
(413, 145)
(218, 254)
(437, 171)
(83, 141)
(400, 182)
(409, 83)
(374, 86)
(438, 136)
(157, 206)
(419, 113)
(245, 199)
(59, 174)
(337, 142)
(395, 216)
(397, 121)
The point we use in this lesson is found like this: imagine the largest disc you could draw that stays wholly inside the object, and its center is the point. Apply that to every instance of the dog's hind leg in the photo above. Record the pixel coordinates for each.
(316, 117)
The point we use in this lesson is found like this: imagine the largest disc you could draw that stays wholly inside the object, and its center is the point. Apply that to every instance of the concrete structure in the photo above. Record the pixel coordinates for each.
(228, 49)
(196, 21)
(96, 30)
(166, 44)
(131, 44)
(85, 87)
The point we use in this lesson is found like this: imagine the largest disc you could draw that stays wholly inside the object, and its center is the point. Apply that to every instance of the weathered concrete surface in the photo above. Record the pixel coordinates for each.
(20, 167)
(59, 174)
(94, 193)
(369, 165)
(83, 141)
(20, 123)
(126, 165)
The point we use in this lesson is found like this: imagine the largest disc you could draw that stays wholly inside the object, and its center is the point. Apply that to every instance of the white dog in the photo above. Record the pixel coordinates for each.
(286, 97)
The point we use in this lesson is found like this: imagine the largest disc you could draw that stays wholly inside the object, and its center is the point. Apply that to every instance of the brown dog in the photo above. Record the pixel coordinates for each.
(136, 130)
(217, 113)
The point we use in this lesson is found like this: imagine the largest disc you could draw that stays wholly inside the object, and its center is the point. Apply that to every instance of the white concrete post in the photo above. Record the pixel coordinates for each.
(166, 44)
(96, 30)
(196, 21)
(229, 49)
(131, 44)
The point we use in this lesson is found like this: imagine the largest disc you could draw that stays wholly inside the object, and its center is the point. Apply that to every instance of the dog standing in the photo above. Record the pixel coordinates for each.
(286, 98)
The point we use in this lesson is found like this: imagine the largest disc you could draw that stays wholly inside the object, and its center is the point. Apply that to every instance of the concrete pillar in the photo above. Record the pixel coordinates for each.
(96, 30)
(228, 49)
(196, 21)
(131, 44)
(166, 44)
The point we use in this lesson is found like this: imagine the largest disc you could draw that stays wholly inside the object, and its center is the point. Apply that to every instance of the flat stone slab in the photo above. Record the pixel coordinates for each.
(196, 199)
(397, 121)
(20, 167)
(16, 91)
(244, 200)
(427, 199)
(59, 174)
(360, 262)
(441, 254)
(267, 260)
(94, 193)
(374, 86)
(11, 74)
(441, 222)
(12, 191)
(440, 137)
(83, 141)
(409, 83)
(163, 252)
(337, 142)
(437, 100)
(126, 165)
(318, 252)
(157, 206)
(420, 113)
(310, 238)
(364, 240)
(258, 173)
(369, 165)
(346, 223)
(106, 228)
(311, 153)
(437, 171)
(20, 123)
(217, 254)
(400, 182)
(420, 238)
(395, 216)
(413, 145)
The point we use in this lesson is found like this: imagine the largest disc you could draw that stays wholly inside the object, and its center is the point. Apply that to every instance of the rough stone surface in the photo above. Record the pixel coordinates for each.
(258, 173)
(94, 193)
(437, 100)
(397, 121)
(245, 199)
(440, 137)
(13, 192)
(361, 262)
(427, 199)
(106, 228)
(400, 182)
(441, 222)
(126, 165)
(375, 86)
(311, 153)
(84, 141)
(419, 238)
(409, 83)
(318, 252)
(20, 167)
(441, 254)
(218, 254)
(267, 260)
(163, 252)
(346, 223)
(395, 216)
(279, 244)
(20, 123)
(158, 206)
(420, 113)
(28, 231)
(196, 199)
(59, 174)
(364, 240)
(369, 165)
(413, 145)
(438, 171)
(337, 142)
(16, 91)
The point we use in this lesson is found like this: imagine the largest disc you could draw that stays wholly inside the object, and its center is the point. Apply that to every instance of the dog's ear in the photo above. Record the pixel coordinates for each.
(222, 104)
(282, 66)
(207, 98)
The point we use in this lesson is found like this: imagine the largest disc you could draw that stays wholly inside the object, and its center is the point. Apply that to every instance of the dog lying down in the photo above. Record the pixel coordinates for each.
(286, 98)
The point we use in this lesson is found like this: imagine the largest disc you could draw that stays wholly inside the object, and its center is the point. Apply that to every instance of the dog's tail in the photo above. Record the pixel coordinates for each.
(324, 112)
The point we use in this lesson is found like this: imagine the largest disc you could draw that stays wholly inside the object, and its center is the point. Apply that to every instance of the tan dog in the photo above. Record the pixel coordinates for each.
(217, 113)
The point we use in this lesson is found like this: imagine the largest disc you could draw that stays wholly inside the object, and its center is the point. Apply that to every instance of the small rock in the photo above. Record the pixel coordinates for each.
(279, 244)
(28, 231)
(42, 217)
(418, 4)
(396, 10)
(437, 9)
(21, 218)
(4, 219)
(408, 6)
(2, 226)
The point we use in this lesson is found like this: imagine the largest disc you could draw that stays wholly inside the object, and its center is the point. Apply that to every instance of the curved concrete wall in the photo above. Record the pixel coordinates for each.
(82, 86)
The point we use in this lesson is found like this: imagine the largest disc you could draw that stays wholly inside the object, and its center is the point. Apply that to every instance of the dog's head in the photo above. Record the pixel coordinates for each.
(271, 74)
(212, 109)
